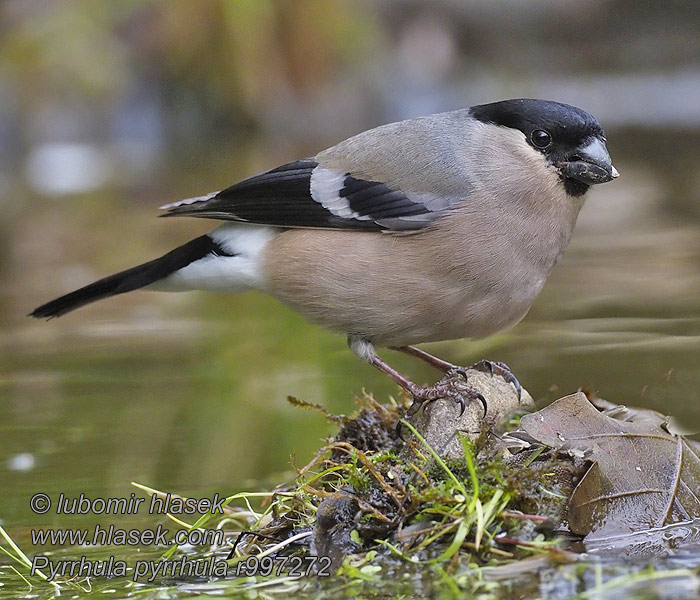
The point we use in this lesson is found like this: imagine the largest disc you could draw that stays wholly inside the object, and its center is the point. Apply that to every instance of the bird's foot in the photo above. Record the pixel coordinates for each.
(501, 369)
(451, 387)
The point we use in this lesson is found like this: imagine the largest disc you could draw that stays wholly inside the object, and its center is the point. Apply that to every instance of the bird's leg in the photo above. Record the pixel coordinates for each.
(485, 366)
(433, 361)
(458, 391)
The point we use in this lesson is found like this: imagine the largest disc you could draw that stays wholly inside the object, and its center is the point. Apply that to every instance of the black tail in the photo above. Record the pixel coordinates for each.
(131, 279)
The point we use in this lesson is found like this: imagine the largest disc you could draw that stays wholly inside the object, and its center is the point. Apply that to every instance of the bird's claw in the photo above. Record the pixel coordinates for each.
(471, 392)
(499, 368)
(451, 387)
(480, 398)
(458, 371)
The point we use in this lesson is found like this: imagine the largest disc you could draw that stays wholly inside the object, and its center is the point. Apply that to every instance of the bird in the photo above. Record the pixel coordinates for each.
(435, 228)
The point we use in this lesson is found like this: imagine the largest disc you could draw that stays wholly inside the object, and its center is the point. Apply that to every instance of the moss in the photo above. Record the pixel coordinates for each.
(358, 503)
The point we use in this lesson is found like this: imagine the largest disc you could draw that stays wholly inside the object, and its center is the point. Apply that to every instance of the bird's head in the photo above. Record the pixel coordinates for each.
(571, 140)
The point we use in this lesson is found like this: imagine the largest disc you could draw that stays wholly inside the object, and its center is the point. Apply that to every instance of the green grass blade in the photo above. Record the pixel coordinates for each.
(436, 456)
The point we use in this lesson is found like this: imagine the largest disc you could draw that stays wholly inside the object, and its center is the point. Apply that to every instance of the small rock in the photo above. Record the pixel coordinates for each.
(439, 422)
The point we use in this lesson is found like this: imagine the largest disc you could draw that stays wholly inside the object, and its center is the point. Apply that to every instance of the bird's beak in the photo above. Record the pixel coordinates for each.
(590, 164)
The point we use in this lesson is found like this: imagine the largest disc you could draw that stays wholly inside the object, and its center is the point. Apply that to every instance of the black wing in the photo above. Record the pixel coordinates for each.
(306, 194)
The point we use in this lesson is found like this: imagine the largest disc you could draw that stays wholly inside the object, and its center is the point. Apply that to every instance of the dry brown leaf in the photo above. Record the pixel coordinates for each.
(642, 477)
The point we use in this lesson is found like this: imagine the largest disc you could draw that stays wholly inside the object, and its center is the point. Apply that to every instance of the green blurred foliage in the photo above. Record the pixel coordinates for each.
(229, 56)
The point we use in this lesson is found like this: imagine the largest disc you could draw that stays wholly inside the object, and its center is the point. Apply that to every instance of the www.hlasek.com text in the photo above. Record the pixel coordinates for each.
(115, 536)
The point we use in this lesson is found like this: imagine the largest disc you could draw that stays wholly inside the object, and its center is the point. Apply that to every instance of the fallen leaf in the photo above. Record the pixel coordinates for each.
(642, 477)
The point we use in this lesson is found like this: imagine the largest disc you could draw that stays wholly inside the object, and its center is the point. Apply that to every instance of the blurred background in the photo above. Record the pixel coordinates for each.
(110, 109)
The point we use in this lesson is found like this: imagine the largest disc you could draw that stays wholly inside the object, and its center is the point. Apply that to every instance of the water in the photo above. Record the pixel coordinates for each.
(187, 392)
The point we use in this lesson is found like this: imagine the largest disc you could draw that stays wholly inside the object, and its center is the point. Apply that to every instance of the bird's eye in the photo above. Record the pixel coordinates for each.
(540, 138)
